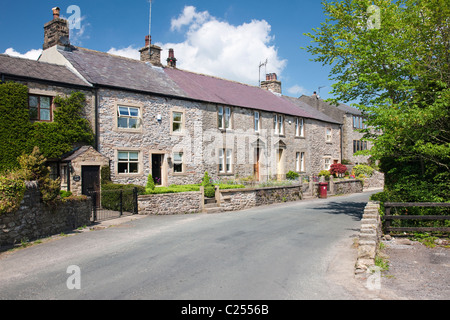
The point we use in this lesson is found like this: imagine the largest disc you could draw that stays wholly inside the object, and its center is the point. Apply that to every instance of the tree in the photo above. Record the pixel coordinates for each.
(399, 71)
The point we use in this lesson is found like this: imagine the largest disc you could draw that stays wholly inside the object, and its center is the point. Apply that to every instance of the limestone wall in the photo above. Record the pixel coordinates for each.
(35, 219)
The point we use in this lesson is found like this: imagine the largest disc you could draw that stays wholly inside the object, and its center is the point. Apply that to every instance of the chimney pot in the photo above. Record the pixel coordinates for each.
(147, 41)
(171, 60)
(56, 12)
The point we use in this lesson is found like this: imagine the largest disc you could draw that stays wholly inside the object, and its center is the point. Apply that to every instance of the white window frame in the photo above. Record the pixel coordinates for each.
(278, 122)
(224, 117)
(173, 122)
(257, 121)
(128, 161)
(300, 127)
(225, 161)
(328, 135)
(327, 163)
(128, 116)
(178, 162)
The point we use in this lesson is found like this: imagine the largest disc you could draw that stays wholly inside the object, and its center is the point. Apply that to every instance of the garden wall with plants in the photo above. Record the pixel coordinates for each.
(35, 219)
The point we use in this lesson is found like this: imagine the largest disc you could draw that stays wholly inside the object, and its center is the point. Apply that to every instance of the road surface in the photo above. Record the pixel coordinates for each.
(291, 251)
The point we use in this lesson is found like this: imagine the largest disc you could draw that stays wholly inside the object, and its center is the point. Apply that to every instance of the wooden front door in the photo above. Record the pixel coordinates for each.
(157, 163)
(257, 164)
(90, 181)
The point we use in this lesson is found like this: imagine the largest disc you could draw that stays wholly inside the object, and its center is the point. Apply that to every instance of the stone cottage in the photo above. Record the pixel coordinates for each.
(175, 124)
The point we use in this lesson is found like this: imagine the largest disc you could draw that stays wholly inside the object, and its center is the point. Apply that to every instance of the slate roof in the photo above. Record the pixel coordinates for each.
(350, 110)
(25, 68)
(109, 70)
(216, 90)
(316, 113)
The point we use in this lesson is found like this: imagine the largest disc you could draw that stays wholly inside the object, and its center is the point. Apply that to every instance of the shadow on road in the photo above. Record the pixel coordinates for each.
(353, 209)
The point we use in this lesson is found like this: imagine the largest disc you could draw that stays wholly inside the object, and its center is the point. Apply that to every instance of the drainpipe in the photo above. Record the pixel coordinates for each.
(342, 142)
(96, 131)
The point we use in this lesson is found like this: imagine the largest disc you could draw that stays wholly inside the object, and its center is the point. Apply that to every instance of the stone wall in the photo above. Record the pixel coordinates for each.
(375, 181)
(35, 219)
(240, 199)
(369, 237)
(171, 203)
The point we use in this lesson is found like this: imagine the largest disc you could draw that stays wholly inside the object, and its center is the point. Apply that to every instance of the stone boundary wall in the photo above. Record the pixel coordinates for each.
(239, 199)
(369, 237)
(337, 187)
(375, 181)
(34, 219)
(170, 203)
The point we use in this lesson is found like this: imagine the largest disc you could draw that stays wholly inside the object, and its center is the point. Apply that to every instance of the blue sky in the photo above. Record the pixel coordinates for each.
(222, 38)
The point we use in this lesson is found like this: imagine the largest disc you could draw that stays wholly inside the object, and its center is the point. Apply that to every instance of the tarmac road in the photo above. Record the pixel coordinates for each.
(293, 251)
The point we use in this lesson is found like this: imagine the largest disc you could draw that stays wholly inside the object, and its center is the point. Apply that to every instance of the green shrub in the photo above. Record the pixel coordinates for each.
(325, 173)
(105, 175)
(110, 196)
(210, 192)
(33, 168)
(206, 180)
(363, 169)
(65, 194)
(150, 183)
(291, 175)
(12, 190)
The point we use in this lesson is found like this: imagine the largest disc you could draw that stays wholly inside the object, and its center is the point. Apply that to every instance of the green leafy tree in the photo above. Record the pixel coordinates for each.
(399, 71)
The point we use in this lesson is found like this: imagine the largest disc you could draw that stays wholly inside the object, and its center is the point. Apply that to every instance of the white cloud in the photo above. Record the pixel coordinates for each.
(33, 54)
(220, 49)
(191, 17)
(297, 90)
(130, 52)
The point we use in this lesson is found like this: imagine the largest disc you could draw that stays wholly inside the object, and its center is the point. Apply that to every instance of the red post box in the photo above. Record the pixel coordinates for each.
(323, 186)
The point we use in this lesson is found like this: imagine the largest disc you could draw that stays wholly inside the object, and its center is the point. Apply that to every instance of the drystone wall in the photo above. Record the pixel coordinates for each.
(34, 219)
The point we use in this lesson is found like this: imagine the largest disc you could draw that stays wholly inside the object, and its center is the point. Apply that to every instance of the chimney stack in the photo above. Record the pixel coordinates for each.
(56, 32)
(56, 12)
(171, 60)
(272, 84)
(151, 53)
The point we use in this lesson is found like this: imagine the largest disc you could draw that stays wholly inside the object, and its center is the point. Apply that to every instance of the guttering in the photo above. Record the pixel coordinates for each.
(49, 82)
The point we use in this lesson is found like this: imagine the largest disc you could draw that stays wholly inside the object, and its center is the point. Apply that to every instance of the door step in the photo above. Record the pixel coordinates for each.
(212, 210)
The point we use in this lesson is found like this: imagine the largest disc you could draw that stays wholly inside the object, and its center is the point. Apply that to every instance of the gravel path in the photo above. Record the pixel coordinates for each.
(416, 272)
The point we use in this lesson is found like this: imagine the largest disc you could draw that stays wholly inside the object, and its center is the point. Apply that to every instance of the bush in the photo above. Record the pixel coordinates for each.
(110, 196)
(32, 168)
(150, 184)
(363, 169)
(206, 180)
(210, 192)
(291, 175)
(338, 169)
(325, 173)
(65, 194)
(12, 190)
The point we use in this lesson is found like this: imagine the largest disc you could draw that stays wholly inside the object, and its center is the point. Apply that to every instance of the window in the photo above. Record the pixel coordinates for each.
(128, 117)
(328, 135)
(300, 127)
(359, 146)
(224, 118)
(278, 124)
(300, 162)
(128, 162)
(327, 163)
(225, 161)
(177, 122)
(40, 108)
(358, 123)
(257, 124)
(178, 162)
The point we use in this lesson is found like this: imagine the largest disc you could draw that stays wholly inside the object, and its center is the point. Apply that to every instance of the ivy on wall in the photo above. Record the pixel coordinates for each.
(19, 135)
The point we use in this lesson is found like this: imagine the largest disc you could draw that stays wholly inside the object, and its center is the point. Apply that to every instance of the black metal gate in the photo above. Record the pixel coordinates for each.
(113, 204)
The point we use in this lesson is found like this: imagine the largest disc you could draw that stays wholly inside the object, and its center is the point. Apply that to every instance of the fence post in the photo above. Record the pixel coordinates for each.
(121, 202)
(387, 222)
(94, 206)
(135, 201)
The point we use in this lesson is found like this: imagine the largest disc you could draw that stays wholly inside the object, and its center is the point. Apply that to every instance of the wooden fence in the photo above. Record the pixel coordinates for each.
(388, 218)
